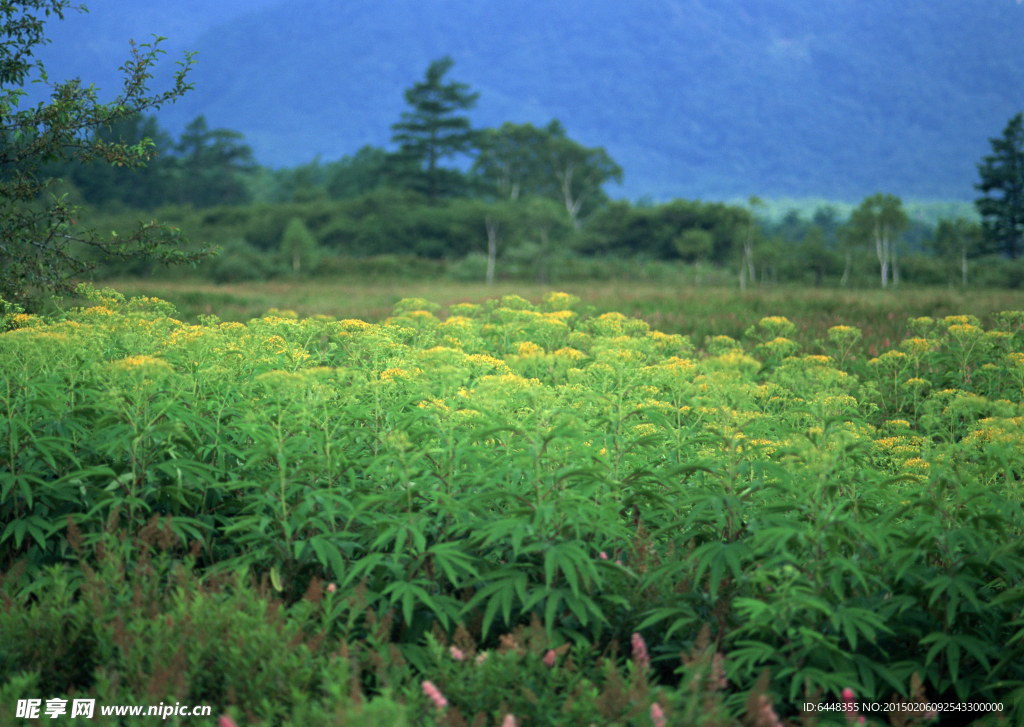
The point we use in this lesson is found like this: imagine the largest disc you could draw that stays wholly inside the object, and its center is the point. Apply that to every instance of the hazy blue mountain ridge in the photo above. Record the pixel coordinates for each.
(836, 98)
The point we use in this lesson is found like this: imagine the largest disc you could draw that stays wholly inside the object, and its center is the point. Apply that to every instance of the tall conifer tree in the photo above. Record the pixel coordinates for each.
(1002, 171)
(432, 131)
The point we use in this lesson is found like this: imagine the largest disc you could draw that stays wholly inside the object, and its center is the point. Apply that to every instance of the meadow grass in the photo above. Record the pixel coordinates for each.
(691, 311)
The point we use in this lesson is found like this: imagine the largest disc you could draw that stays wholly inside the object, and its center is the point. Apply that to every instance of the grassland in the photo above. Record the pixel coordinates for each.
(692, 311)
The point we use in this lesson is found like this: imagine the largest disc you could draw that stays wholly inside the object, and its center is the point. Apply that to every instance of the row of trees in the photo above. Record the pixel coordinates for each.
(205, 167)
(536, 186)
(536, 239)
(208, 167)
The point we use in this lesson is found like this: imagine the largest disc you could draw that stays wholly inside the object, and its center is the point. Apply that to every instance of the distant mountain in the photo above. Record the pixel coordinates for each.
(693, 98)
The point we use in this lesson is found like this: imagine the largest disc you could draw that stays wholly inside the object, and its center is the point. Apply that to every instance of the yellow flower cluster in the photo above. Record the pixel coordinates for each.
(141, 362)
(916, 346)
(613, 378)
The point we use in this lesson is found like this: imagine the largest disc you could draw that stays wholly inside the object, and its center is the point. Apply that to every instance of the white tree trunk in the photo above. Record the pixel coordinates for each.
(572, 206)
(891, 245)
(492, 247)
(542, 268)
(882, 251)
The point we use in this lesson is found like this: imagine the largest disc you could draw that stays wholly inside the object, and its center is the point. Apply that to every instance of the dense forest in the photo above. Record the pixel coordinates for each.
(519, 201)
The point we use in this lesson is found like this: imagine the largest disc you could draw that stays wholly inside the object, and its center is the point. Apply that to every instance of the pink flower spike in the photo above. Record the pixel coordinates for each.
(603, 555)
(849, 708)
(509, 721)
(766, 715)
(861, 720)
(640, 655)
(226, 721)
(657, 715)
(456, 653)
(331, 588)
(434, 694)
(549, 658)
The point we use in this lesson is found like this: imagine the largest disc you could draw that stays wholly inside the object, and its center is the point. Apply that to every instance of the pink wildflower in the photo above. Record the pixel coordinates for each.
(766, 716)
(849, 708)
(603, 555)
(435, 695)
(549, 658)
(509, 721)
(718, 672)
(861, 720)
(331, 588)
(657, 715)
(456, 653)
(640, 656)
(226, 721)
(481, 658)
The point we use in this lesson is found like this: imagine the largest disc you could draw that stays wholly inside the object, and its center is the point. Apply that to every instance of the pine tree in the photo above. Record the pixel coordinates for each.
(433, 131)
(1002, 171)
(211, 164)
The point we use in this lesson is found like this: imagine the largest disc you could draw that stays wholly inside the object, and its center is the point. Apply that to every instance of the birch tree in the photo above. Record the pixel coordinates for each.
(880, 220)
(747, 264)
(578, 171)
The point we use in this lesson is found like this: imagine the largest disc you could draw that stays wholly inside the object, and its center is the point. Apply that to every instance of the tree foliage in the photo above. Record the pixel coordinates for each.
(580, 171)
(1002, 184)
(358, 174)
(879, 221)
(298, 246)
(210, 164)
(433, 131)
(958, 240)
(40, 247)
(145, 187)
(677, 230)
(512, 159)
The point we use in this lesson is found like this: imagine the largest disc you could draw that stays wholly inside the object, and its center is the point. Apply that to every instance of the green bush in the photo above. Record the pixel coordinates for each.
(240, 262)
(380, 267)
(142, 630)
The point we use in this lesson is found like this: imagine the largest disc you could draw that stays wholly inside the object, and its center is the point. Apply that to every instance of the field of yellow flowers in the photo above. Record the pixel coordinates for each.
(525, 481)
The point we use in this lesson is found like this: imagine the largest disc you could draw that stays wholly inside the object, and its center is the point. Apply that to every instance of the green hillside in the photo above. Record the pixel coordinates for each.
(701, 100)
(831, 99)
